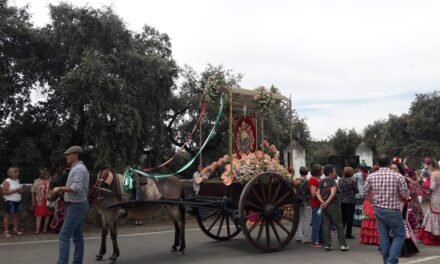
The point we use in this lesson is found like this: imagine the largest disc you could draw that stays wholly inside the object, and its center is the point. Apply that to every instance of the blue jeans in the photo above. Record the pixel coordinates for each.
(316, 226)
(73, 228)
(390, 220)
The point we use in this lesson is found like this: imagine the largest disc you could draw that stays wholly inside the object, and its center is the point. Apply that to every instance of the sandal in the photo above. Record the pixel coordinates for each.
(7, 234)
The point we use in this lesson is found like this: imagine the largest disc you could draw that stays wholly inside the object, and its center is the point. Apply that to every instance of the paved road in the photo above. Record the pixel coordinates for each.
(138, 246)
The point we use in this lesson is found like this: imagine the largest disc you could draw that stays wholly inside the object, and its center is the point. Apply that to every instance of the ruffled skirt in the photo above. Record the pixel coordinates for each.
(368, 233)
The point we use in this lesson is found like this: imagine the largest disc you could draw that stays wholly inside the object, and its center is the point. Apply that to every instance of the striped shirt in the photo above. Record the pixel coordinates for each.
(78, 181)
(388, 187)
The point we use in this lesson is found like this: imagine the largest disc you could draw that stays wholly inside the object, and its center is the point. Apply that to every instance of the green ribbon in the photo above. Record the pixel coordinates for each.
(128, 173)
(128, 180)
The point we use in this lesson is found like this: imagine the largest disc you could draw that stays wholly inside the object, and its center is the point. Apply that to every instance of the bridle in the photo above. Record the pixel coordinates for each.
(97, 190)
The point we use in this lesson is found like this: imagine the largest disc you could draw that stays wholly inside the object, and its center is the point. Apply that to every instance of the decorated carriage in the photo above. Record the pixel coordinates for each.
(254, 194)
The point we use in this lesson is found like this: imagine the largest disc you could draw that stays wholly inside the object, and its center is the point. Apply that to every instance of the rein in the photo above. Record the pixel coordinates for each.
(58, 216)
(91, 195)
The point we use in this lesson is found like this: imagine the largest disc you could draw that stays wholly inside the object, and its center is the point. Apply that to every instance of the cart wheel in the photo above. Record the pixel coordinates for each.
(218, 224)
(268, 202)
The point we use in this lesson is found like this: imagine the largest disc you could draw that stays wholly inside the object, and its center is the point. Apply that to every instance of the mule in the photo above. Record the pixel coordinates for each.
(151, 189)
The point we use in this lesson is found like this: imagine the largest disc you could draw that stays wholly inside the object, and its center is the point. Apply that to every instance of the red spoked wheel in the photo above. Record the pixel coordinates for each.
(268, 203)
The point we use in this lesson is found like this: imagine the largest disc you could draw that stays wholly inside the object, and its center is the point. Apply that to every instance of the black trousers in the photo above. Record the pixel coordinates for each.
(347, 217)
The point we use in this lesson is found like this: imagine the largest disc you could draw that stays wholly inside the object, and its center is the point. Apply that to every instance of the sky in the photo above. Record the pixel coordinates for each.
(345, 63)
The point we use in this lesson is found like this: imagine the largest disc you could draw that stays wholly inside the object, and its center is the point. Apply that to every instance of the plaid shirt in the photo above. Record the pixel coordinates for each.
(388, 187)
(78, 181)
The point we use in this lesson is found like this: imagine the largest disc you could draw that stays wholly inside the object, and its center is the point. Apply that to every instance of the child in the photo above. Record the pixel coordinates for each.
(12, 195)
(39, 200)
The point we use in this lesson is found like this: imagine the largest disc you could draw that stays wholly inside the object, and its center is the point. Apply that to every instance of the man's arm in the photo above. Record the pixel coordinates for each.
(77, 182)
(367, 187)
(403, 188)
(367, 191)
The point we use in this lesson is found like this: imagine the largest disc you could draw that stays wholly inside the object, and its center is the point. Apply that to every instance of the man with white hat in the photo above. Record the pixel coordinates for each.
(75, 196)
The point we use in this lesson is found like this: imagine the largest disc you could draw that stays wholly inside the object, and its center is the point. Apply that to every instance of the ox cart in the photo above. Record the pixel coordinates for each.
(264, 208)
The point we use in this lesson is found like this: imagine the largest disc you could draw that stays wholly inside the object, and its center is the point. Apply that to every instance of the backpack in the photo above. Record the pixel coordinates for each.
(303, 193)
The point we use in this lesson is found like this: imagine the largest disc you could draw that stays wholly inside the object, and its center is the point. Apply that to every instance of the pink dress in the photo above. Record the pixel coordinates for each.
(40, 188)
(429, 233)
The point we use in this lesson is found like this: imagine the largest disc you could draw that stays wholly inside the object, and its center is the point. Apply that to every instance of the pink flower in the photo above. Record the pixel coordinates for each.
(206, 170)
(267, 157)
(214, 165)
(226, 179)
(265, 143)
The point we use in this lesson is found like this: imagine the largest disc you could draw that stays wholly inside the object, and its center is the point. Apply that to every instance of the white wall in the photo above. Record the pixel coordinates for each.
(297, 157)
(366, 154)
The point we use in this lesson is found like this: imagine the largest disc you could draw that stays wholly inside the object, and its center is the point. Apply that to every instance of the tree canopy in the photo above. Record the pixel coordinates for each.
(85, 79)
(105, 87)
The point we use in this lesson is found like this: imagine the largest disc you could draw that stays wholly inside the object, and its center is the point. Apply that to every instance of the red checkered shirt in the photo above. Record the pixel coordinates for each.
(388, 187)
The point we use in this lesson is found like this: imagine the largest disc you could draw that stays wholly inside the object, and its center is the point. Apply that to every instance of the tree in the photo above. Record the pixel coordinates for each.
(281, 123)
(185, 108)
(372, 134)
(319, 152)
(106, 88)
(16, 60)
(345, 142)
(424, 125)
(395, 136)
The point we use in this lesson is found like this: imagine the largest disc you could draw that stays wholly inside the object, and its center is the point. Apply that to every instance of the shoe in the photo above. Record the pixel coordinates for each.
(7, 234)
(298, 241)
(345, 248)
(316, 245)
(18, 233)
(349, 237)
(328, 248)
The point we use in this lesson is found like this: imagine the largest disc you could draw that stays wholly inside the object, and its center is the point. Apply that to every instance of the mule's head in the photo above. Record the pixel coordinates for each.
(59, 179)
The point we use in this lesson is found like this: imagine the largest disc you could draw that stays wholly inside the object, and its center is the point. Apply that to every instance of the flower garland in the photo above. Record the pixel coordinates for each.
(270, 150)
(248, 166)
(264, 99)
